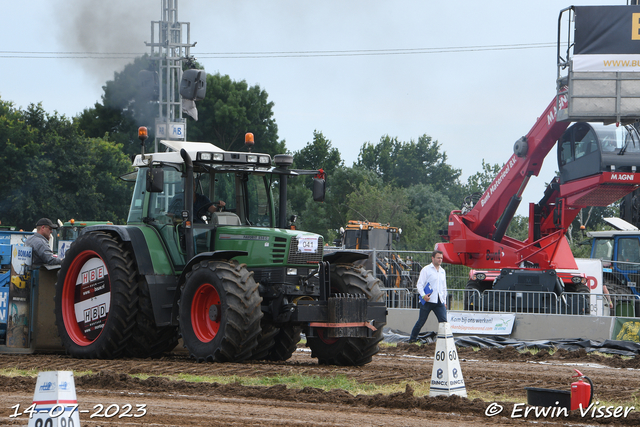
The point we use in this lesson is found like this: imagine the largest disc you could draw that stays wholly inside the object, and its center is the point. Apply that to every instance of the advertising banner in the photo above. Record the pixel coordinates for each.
(4, 305)
(19, 297)
(626, 329)
(481, 323)
(607, 38)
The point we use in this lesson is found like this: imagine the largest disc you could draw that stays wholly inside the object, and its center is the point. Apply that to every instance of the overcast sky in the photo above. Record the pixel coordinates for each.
(475, 102)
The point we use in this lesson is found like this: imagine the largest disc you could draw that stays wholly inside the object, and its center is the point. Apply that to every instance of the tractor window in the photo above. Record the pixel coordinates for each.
(225, 189)
(603, 249)
(629, 250)
(259, 210)
(171, 200)
(137, 200)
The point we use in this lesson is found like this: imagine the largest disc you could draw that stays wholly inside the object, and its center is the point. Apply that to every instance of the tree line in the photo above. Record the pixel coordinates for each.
(60, 167)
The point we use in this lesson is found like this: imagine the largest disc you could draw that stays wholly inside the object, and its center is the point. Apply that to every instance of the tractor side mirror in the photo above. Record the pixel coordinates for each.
(319, 189)
(155, 180)
(193, 85)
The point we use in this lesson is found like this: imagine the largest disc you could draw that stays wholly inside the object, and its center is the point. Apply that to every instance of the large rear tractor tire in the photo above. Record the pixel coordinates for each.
(277, 343)
(266, 340)
(286, 343)
(147, 339)
(349, 279)
(219, 312)
(96, 298)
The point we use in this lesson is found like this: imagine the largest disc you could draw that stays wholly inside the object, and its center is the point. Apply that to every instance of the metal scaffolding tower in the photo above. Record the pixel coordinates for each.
(170, 49)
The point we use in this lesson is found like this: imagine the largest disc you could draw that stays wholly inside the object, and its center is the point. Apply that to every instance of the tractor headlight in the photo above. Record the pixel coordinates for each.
(218, 157)
(292, 271)
(252, 158)
(479, 276)
(265, 160)
(578, 280)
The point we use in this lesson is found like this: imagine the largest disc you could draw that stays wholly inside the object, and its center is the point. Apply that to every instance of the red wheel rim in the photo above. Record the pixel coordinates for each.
(325, 339)
(86, 296)
(206, 312)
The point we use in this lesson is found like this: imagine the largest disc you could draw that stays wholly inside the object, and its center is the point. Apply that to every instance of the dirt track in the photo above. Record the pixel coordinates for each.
(176, 403)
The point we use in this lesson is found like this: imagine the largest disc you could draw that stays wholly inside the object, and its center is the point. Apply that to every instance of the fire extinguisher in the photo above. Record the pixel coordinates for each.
(581, 392)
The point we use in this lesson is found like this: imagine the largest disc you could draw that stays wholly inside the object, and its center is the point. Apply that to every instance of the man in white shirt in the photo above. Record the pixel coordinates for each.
(436, 298)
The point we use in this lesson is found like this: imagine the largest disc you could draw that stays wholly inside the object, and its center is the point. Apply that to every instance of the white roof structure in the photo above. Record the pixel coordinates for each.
(173, 153)
(621, 224)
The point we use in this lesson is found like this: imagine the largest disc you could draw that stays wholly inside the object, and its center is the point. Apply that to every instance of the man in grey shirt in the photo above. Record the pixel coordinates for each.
(41, 253)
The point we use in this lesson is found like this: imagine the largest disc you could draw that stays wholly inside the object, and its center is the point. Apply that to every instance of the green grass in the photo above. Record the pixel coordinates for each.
(33, 373)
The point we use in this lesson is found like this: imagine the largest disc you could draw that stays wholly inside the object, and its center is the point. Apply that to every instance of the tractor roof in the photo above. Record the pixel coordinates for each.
(172, 155)
(206, 153)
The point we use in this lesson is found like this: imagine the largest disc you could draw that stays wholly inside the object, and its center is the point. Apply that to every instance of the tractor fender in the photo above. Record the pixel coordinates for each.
(162, 284)
(138, 242)
(345, 257)
(205, 256)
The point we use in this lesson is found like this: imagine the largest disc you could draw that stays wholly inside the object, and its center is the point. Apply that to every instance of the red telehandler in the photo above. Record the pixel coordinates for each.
(597, 166)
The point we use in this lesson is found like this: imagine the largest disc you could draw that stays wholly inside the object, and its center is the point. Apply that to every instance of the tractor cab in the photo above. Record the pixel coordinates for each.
(369, 235)
(587, 149)
(228, 191)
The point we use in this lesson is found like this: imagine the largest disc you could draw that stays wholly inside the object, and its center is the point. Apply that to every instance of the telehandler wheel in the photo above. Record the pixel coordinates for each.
(349, 279)
(96, 297)
(219, 312)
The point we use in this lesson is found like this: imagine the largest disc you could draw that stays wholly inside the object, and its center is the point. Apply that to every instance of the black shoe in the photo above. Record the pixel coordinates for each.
(412, 341)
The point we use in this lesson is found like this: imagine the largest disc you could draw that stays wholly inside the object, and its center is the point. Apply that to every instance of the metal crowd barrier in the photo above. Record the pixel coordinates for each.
(567, 303)
(399, 272)
(399, 298)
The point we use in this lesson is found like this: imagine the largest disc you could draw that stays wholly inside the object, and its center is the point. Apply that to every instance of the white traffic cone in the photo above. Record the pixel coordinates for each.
(446, 377)
(55, 400)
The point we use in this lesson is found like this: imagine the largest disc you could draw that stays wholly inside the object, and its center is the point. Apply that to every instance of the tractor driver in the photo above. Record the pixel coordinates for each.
(39, 242)
(201, 204)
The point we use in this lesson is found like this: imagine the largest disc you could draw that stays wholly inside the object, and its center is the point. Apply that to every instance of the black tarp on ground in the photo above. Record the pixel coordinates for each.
(622, 348)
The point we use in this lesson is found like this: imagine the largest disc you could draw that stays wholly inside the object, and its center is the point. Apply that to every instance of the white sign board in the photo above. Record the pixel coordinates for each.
(170, 131)
(592, 268)
(480, 323)
(308, 244)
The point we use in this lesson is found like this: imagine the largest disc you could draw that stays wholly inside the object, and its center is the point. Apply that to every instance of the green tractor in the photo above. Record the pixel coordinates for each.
(235, 283)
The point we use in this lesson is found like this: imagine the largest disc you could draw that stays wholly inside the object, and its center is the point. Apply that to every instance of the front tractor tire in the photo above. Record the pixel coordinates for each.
(219, 312)
(96, 297)
(349, 351)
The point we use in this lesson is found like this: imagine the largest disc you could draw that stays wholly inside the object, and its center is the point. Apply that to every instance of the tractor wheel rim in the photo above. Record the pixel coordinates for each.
(206, 314)
(86, 298)
(322, 334)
